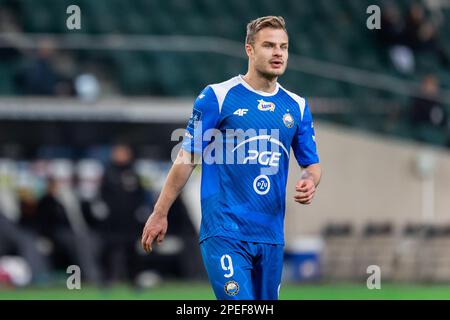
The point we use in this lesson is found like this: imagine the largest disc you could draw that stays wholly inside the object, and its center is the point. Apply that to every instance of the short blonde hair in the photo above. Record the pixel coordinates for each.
(254, 26)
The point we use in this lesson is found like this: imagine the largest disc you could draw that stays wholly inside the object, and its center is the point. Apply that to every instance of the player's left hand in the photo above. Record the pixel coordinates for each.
(305, 190)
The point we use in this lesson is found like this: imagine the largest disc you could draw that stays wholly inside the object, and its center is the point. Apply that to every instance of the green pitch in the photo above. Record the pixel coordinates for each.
(195, 291)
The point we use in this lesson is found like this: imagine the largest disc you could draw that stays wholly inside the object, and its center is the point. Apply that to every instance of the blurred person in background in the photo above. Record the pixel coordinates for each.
(421, 34)
(15, 238)
(89, 177)
(8, 24)
(392, 37)
(8, 50)
(39, 76)
(393, 26)
(427, 108)
(124, 198)
(70, 242)
(406, 37)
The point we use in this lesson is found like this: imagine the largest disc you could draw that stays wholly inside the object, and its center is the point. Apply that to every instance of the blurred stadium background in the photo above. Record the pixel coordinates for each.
(86, 118)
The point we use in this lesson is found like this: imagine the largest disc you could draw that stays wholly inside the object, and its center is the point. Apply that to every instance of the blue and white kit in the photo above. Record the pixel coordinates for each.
(245, 136)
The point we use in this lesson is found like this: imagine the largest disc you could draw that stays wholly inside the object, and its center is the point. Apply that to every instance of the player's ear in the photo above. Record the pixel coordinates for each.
(249, 49)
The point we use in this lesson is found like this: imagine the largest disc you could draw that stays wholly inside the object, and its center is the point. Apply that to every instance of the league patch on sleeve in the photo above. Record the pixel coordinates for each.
(196, 116)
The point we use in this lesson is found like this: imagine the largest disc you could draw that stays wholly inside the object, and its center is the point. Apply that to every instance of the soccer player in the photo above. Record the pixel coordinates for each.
(242, 131)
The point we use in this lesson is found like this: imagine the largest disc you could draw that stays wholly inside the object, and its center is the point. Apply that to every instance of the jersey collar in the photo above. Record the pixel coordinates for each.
(262, 93)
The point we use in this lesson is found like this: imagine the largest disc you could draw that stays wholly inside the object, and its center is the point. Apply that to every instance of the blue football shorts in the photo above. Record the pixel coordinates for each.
(241, 270)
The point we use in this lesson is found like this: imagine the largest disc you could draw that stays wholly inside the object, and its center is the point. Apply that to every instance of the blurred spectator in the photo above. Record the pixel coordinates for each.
(427, 108)
(421, 34)
(435, 7)
(392, 36)
(89, 176)
(15, 238)
(124, 197)
(414, 21)
(405, 38)
(10, 54)
(68, 241)
(28, 209)
(52, 215)
(39, 77)
(392, 26)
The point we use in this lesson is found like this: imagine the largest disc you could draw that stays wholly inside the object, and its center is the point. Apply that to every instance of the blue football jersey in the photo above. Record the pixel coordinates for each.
(245, 136)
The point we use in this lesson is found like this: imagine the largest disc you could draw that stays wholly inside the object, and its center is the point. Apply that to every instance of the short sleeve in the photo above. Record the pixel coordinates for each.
(205, 115)
(304, 142)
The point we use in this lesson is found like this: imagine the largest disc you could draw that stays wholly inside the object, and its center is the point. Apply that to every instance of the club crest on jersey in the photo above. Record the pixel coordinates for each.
(288, 120)
(266, 106)
(231, 288)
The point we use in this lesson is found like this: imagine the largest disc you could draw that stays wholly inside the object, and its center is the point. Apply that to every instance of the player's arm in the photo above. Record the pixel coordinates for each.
(306, 186)
(305, 151)
(204, 116)
(156, 226)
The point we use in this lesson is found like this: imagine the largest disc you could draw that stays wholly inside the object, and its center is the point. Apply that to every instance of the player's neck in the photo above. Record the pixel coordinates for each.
(260, 83)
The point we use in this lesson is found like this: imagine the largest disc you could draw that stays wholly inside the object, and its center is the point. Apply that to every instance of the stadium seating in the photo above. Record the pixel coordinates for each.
(338, 257)
(377, 247)
(408, 253)
(332, 32)
(434, 263)
(418, 253)
(346, 42)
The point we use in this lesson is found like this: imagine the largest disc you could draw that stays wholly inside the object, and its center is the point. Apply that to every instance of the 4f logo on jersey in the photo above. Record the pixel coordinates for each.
(266, 106)
(240, 112)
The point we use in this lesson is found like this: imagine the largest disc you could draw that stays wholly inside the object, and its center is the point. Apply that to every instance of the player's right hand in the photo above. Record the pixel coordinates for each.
(155, 228)
(305, 190)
